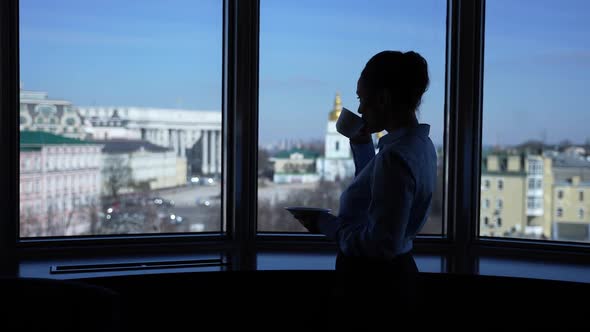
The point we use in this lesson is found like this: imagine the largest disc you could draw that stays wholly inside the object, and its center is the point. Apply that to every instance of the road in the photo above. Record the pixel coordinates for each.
(200, 206)
(188, 196)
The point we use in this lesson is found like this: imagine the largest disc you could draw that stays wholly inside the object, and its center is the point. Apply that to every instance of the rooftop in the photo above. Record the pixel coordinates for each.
(128, 146)
(29, 139)
(286, 154)
(564, 160)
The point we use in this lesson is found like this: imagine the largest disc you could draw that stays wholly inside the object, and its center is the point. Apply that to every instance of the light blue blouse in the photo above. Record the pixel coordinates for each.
(390, 197)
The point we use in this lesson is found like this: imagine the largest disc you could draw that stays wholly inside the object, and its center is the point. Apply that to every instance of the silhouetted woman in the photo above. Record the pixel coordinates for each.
(390, 198)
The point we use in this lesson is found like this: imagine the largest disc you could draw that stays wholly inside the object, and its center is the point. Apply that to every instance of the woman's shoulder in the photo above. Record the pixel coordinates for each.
(412, 153)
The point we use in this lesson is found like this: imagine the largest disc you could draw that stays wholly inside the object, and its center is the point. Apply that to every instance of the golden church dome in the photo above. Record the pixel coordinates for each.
(335, 113)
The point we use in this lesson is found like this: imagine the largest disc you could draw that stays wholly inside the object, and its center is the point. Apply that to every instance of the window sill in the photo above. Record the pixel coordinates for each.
(42, 268)
(275, 260)
(534, 268)
(499, 260)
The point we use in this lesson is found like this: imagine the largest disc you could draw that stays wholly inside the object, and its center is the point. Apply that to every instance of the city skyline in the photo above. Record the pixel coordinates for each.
(144, 57)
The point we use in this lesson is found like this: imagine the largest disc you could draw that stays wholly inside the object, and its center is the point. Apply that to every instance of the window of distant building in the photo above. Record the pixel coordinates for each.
(535, 166)
(559, 212)
(500, 184)
(559, 194)
(581, 196)
(503, 164)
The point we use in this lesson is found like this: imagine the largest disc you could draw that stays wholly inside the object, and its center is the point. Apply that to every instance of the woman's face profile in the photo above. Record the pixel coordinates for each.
(370, 109)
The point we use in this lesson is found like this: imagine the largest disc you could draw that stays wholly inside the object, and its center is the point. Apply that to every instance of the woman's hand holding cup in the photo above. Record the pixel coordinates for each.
(353, 127)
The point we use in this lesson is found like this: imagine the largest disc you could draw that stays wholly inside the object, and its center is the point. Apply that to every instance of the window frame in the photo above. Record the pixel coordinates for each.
(460, 245)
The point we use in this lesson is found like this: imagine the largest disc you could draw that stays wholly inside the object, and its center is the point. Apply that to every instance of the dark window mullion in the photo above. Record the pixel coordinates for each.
(241, 110)
(9, 103)
(464, 102)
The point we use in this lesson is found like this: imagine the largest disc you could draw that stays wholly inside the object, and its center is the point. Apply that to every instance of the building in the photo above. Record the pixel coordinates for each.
(59, 184)
(567, 166)
(194, 135)
(535, 194)
(39, 113)
(570, 198)
(136, 165)
(337, 163)
(503, 192)
(516, 191)
(538, 198)
(295, 166)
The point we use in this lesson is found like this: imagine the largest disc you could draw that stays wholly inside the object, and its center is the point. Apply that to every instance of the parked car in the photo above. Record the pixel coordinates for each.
(175, 219)
(203, 180)
(203, 202)
(159, 201)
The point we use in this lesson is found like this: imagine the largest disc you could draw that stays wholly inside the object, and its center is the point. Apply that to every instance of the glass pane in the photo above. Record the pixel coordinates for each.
(535, 132)
(327, 261)
(120, 122)
(534, 268)
(311, 55)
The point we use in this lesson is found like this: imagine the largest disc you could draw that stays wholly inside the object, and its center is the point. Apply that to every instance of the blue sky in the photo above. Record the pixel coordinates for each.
(168, 54)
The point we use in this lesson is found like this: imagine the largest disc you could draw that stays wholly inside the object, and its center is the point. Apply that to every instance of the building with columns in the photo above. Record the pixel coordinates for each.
(194, 135)
(337, 163)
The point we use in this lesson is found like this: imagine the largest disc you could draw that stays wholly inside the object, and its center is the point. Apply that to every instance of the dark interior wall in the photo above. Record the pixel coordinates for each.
(280, 300)
(285, 300)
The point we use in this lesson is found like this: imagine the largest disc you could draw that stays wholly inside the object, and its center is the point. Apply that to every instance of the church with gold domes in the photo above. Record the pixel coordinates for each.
(337, 162)
(300, 166)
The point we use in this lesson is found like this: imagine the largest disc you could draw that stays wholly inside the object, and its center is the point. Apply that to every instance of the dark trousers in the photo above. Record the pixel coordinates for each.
(369, 292)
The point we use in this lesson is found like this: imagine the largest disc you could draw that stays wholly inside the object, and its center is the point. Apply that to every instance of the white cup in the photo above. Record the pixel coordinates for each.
(349, 124)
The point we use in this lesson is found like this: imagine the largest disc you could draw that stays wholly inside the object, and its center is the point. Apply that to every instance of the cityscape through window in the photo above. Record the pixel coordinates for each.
(120, 122)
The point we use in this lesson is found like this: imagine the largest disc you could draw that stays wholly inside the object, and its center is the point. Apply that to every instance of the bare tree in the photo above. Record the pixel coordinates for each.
(56, 222)
(60, 223)
(94, 215)
(314, 145)
(272, 216)
(135, 213)
(30, 225)
(117, 174)
(564, 144)
(265, 165)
